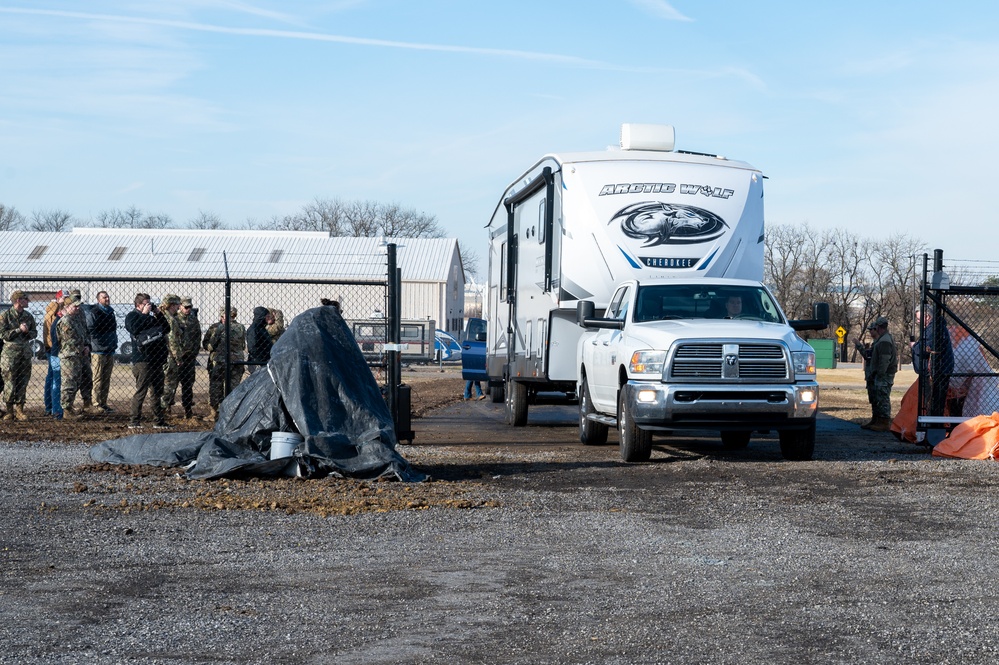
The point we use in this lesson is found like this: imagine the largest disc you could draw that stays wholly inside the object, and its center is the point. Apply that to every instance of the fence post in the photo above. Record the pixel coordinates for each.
(225, 328)
(393, 332)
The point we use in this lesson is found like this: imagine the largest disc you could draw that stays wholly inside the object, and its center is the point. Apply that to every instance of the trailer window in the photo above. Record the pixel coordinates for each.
(541, 221)
(502, 271)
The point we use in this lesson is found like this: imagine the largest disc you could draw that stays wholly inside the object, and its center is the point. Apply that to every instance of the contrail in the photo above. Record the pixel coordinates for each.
(315, 36)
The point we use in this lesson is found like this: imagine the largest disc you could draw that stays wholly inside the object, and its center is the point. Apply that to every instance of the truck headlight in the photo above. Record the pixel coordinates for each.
(804, 362)
(648, 362)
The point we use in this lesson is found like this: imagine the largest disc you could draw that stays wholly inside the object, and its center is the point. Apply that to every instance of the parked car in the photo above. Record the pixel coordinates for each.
(473, 348)
(447, 348)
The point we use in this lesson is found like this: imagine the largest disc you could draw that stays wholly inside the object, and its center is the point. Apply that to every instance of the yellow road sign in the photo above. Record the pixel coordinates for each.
(840, 333)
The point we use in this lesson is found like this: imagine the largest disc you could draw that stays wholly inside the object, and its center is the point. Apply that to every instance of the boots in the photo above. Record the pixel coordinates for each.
(19, 413)
(880, 425)
(88, 407)
(870, 422)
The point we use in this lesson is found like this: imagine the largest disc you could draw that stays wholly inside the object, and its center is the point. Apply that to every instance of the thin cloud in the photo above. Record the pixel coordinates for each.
(661, 9)
(313, 36)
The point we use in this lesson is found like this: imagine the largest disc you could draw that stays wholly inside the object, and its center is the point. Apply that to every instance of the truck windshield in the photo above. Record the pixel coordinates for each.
(705, 301)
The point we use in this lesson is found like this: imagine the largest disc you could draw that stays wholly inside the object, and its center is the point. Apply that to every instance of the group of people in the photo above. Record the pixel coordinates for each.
(80, 342)
(166, 341)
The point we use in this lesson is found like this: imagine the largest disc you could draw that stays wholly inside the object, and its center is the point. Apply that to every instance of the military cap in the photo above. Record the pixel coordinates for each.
(171, 299)
(187, 302)
(222, 312)
(17, 295)
(70, 300)
(76, 292)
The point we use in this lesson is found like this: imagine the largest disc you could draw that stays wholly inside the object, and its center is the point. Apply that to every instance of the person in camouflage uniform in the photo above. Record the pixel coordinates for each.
(879, 370)
(184, 342)
(214, 343)
(275, 326)
(74, 353)
(17, 330)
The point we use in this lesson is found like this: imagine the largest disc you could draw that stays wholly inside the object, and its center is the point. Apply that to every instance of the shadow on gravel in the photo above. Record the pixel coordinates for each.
(481, 426)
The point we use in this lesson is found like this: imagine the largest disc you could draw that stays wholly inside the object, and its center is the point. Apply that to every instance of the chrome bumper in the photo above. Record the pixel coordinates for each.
(693, 405)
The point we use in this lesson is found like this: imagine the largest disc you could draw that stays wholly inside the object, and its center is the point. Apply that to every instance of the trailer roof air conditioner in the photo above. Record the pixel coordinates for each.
(647, 137)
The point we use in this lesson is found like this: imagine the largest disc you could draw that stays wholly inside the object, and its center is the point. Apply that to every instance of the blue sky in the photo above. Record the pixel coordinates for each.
(872, 117)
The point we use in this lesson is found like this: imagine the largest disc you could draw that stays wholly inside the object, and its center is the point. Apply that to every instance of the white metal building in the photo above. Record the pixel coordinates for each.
(432, 278)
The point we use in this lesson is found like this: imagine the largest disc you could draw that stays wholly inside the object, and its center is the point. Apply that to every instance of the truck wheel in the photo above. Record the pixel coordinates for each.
(496, 393)
(735, 440)
(591, 433)
(798, 445)
(636, 443)
(516, 403)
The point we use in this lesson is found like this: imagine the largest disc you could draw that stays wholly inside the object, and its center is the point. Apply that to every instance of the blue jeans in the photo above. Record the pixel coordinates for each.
(47, 390)
(468, 389)
(55, 389)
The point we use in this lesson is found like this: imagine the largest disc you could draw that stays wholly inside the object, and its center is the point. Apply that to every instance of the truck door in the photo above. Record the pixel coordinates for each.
(603, 387)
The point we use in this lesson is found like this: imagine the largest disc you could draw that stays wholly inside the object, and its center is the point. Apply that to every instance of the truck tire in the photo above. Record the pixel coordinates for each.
(516, 403)
(798, 445)
(735, 440)
(496, 393)
(636, 443)
(591, 433)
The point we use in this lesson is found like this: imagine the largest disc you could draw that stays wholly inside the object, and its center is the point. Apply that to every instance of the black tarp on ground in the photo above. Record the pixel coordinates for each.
(317, 383)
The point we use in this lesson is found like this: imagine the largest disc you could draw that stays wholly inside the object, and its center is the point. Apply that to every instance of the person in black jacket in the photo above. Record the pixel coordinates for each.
(103, 328)
(258, 340)
(148, 328)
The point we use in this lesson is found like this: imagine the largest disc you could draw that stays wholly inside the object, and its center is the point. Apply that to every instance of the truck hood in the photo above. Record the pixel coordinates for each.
(662, 334)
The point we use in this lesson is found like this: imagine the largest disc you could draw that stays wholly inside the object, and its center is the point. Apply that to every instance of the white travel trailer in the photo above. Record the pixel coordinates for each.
(575, 225)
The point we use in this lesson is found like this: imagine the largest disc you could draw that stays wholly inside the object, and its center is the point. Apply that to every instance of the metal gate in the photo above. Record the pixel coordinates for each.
(955, 346)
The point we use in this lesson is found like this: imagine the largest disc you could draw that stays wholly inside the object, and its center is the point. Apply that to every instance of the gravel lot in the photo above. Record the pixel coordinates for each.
(525, 548)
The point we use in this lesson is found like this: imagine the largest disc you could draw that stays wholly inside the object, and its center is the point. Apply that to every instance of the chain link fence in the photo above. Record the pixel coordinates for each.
(960, 308)
(284, 298)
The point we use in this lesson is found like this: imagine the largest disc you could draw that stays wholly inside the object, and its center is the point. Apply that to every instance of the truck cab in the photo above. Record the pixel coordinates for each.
(715, 354)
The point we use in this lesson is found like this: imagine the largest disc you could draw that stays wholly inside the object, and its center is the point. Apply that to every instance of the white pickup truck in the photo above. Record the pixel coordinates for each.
(715, 354)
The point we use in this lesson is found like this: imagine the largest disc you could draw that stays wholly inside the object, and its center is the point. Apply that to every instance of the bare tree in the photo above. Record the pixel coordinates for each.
(131, 218)
(10, 218)
(359, 219)
(469, 260)
(206, 221)
(847, 261)
(50, 220)
(786, 266)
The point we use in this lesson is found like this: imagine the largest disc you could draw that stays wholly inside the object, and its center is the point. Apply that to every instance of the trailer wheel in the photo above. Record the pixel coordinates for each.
(735, 440)
(636, 443)
(798, 445)
(516, 403)
(591, 433)
(496, 393)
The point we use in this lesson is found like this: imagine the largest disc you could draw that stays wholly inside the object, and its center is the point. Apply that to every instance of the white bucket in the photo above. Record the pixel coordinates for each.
(283, 444)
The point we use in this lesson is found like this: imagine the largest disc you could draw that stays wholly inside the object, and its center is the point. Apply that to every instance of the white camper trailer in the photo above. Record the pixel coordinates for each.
(575, 225)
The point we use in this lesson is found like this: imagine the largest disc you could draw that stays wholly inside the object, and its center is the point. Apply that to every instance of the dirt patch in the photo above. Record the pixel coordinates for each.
(461, 448)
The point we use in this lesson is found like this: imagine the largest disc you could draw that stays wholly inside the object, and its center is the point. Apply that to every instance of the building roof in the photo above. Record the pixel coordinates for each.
(86, 252)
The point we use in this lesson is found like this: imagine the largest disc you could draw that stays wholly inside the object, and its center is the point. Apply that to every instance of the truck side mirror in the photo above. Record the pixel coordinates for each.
(585, 318)
(819, 320)
(480, 337)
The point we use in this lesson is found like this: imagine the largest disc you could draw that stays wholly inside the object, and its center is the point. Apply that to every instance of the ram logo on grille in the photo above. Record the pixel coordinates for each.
(731, 359)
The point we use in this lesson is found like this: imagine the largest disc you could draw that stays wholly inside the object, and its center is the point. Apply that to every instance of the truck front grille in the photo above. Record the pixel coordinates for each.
(699, 361)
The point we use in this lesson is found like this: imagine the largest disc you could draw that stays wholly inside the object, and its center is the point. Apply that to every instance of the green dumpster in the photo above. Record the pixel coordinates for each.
(825, 353)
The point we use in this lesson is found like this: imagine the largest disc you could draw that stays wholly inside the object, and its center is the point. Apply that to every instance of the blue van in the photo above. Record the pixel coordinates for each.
(473, 351)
